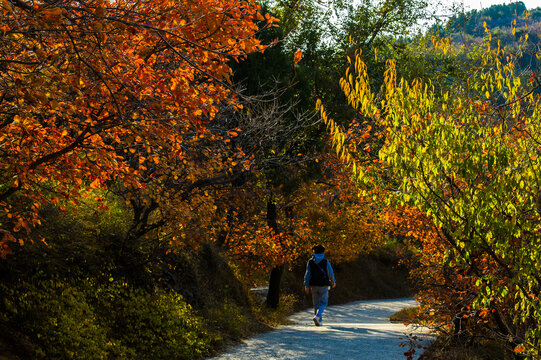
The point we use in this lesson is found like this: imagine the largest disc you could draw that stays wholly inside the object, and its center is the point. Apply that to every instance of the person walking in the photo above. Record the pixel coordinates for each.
(319, 277)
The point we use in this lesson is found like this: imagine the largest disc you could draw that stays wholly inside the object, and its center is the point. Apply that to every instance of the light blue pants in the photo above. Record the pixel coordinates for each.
(320, 298)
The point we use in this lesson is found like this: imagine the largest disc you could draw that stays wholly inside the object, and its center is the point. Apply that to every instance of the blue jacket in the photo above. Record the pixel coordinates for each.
(317, 258)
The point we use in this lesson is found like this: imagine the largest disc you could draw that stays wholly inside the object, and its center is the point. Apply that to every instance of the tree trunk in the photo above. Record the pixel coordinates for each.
(273, 295)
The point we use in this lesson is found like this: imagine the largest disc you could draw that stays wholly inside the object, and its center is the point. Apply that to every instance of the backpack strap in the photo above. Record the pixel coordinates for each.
(321, 269)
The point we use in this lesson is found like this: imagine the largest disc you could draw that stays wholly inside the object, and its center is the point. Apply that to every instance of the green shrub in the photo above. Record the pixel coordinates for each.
(276, 317)
(84, 320)
(56, 317)
(154, 325)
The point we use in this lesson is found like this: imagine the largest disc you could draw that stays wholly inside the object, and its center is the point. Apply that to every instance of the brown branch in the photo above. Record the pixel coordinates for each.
(22, 5)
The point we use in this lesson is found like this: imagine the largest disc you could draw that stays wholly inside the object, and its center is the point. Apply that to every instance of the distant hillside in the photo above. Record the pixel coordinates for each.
(496, 16)
(469, 28)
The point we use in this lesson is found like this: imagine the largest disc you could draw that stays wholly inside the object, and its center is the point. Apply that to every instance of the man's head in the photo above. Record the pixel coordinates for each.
(319, 249)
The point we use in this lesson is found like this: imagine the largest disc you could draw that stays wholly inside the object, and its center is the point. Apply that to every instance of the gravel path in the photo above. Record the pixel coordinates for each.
(360, 330)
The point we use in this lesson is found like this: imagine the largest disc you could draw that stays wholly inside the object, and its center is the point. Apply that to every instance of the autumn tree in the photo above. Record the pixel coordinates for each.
(100, 92)
(467, 159)
(287, 136)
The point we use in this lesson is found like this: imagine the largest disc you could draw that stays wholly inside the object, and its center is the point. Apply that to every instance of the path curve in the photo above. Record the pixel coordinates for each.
(360, 330)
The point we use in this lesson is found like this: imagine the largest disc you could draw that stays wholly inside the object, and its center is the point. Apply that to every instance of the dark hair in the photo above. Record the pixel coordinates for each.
(319, 249)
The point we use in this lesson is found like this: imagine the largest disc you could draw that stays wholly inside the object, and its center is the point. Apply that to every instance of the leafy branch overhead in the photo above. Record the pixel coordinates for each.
(99, 92)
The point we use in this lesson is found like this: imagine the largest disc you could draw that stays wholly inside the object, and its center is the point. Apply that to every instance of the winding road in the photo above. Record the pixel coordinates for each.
(360, 330)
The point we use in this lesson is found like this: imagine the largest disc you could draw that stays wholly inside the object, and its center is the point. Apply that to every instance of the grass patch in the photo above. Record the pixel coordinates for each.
(229, 319)
(277, 317)
(406, 315)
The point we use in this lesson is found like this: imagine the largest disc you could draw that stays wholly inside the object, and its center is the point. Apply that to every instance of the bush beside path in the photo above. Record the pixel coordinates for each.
(358, 330)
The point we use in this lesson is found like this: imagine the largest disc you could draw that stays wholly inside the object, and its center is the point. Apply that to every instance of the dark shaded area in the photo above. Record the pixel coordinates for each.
(487, 350)
(373, 276)
(204, 278)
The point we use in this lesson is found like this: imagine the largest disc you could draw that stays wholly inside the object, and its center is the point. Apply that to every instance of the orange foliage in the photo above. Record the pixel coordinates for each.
(258, 249)
(339, 216)
(329, 211)
(297, 57)
(446, 288)
(103, 92)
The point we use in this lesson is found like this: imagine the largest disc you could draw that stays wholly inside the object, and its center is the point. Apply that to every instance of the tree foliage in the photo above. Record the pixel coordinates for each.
(345, 222)
(103, 92)
(467, 158)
